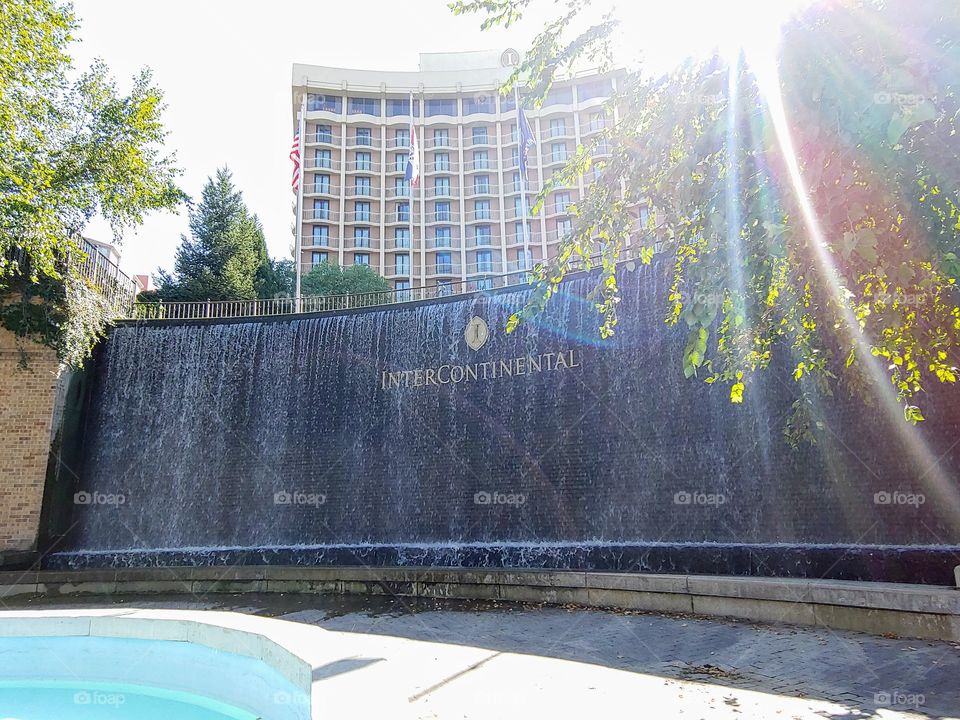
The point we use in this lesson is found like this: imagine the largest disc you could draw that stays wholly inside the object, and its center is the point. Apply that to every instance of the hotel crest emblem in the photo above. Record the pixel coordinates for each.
(477, 333)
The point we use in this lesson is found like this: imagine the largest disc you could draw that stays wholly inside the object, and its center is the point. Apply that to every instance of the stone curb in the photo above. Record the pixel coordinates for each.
(928, 612)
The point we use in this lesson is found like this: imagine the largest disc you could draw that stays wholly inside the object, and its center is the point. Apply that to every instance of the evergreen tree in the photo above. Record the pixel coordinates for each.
(226, 256)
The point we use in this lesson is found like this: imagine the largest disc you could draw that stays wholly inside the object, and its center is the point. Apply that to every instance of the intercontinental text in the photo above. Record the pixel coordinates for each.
(449, 374)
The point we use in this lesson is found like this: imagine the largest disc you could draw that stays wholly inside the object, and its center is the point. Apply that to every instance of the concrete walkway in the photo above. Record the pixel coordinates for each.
(455, 659)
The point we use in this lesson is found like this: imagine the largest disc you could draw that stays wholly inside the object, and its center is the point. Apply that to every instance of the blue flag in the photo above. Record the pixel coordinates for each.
(526, 140)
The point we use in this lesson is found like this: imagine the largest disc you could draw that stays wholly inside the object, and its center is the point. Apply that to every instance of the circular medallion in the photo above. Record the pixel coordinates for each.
(477, 333)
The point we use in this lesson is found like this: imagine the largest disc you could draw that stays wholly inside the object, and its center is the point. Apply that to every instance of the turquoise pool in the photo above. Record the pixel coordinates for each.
(90, 701)
(122, 678)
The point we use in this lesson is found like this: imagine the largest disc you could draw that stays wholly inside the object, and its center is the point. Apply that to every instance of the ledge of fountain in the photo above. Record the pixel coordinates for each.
(921, 611)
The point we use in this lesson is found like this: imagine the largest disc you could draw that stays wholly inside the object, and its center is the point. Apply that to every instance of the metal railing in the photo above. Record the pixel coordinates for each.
(516, 275)
(97, 272)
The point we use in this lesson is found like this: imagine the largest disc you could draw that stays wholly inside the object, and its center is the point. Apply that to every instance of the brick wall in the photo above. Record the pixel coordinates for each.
(26, 410)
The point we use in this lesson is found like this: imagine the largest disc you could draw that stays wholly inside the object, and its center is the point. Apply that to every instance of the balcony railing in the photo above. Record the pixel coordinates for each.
(321, 189)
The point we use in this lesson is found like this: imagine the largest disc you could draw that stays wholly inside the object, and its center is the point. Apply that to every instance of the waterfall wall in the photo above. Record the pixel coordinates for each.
(424, 434)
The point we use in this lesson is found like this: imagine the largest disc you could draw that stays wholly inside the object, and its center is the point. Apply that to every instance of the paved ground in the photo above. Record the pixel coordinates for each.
(501, 660)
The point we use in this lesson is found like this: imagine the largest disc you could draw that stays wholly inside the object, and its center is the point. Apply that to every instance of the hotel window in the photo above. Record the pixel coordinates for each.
(441, 162)
(364, 161)
(401, 138)
(481, 160)
(484, 283)
(403, 212)
(644, 217)
(441, 186)
(442, 213)
(400, 162)
(516, 182)
(479, 104)
(513, 132)
(321, 209)
(597, 122)
(402, 285)
(361, 212)
(479, 135)
(364, 136)
(318, 258)
(558, 152)
(524, 259)
(514, 158)
(558, 127)
(321, 183)
(588, 91)
(564, 228)
(361, 237)
(363, 106)
(361, 259)
(401, 237)
(321, 159)
(481, 183)
(442, 237)
(363, 186)
(561, 201)
(444, 263)
(485, 261)
(329, 103)
(401, 187)
(397, 107)
(517, 206)
(559, 96)
(518, 232)
(441, 137)
(441, 106)
(482, 235)
(403, 264)
(481, 209)
(321, 235)
(324, 134)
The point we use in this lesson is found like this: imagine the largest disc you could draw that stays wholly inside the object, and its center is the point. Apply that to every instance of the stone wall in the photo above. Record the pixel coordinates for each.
(27, 398)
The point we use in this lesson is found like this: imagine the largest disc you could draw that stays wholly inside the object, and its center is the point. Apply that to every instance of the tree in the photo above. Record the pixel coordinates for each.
(226, 256)
(68, 151)
(331, 279)
(807, 201)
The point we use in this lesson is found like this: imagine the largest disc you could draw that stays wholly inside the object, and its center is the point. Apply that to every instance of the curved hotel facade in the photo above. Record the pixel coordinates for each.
(466, 209)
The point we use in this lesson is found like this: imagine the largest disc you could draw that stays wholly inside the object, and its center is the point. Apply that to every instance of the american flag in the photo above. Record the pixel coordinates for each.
(295, 157)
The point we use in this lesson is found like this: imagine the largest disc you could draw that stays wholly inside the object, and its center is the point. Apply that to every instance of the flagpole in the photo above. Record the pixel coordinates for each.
(523, 185)
(410, 187)
(298, 241)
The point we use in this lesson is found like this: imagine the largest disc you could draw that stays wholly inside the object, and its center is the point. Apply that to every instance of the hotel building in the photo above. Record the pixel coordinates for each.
(466, 209)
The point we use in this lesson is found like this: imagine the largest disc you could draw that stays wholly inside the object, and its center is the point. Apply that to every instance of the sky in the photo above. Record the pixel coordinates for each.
(225, 68)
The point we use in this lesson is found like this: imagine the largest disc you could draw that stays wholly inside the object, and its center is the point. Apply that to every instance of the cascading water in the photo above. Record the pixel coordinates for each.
(381, 436)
